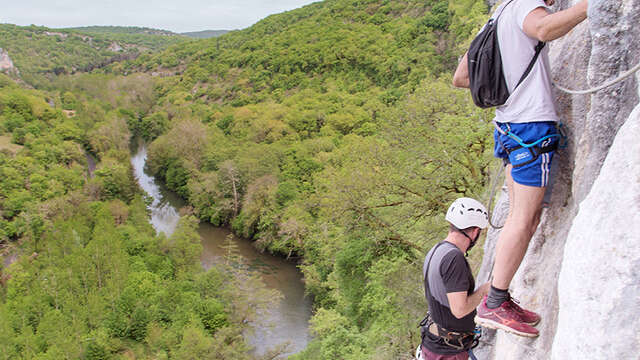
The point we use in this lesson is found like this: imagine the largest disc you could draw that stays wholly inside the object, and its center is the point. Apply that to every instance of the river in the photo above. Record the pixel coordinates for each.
(290, 318)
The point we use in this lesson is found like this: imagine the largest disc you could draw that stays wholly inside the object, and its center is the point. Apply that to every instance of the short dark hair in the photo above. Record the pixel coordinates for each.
(452, 228)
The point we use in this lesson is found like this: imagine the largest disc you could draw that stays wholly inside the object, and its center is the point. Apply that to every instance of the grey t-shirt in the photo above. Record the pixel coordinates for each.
(449, 272)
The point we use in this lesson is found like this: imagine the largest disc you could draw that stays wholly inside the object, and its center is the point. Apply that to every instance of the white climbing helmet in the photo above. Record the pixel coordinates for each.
(467, 212)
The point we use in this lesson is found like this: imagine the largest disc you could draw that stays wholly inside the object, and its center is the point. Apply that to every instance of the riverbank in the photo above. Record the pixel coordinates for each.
(288, 322)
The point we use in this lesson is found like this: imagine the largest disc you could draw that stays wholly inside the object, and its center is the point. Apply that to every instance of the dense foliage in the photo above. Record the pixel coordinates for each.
(94, 280)
(330, 132)
(140, 38)
(39, 52)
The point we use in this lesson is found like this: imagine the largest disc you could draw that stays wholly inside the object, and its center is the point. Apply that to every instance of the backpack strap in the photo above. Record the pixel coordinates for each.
(424, 324)
(538, 49)
(502, 10)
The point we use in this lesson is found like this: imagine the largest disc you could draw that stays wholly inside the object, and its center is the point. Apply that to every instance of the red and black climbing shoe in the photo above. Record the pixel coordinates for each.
(504, 317)
(526, 316)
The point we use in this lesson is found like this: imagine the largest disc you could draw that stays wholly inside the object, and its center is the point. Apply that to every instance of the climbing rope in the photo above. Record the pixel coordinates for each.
(598, 88)
(563, 142)
(622, 76)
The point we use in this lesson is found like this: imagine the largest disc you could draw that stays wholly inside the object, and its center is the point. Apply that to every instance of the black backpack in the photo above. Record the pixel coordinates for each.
(486, 78)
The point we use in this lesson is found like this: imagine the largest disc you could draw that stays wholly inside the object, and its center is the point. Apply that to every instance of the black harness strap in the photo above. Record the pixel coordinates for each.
(426, 273)
(535, 151)
(450, 337)
(424, 324)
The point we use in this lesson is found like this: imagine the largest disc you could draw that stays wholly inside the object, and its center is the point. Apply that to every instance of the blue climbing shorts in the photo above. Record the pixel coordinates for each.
(531, 166)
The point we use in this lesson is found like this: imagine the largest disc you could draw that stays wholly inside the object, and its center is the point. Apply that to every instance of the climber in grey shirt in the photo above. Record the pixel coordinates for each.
(449, 284)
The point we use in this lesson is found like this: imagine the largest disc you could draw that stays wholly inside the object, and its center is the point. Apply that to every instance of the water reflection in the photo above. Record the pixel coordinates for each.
(289, 320)
(164, 217)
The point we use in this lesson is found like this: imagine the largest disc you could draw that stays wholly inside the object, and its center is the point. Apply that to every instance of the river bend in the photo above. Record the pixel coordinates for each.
(289, 320)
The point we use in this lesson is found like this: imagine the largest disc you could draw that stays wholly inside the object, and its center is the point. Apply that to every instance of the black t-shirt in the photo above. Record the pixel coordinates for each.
(453, 275)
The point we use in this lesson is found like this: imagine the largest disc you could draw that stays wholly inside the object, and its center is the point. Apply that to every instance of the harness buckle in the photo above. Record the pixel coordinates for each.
(453, 339)
(425, 321)
(521, 156)
(457, 347)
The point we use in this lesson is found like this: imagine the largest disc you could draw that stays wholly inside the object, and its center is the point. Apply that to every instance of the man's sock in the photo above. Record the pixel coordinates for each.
(497, 297)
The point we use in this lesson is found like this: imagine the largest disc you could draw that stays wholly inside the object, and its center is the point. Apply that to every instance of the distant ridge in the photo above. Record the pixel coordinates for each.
(121, 30)
(206, 34)
(39, 52)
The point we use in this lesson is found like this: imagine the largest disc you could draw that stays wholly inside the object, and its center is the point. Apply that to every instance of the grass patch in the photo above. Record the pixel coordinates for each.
(5, 144)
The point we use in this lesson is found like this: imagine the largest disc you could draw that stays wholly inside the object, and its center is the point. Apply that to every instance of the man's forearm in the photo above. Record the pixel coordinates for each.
(461, 76)
(556, 25)
(474, 299)
(462, 304)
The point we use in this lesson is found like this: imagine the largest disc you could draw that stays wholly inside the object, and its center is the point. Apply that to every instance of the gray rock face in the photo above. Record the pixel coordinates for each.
(5, 61)
(595, 51)
(599, 285)
(615, 49)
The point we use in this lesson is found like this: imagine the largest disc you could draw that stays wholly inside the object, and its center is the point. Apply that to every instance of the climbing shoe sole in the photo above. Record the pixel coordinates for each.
(488, 323)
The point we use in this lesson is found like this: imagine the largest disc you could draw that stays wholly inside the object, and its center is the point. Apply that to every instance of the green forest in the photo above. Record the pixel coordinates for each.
(41, 53)
(330, 134)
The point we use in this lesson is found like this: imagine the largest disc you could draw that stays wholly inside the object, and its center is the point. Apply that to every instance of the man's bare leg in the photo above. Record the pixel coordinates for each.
(524, 215)
(497, 311)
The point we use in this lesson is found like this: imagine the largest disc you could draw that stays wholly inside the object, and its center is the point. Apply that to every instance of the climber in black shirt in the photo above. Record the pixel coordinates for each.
(449, 285)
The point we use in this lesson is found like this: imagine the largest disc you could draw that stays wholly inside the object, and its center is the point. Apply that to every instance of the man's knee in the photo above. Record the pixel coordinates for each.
(523, 230)
(536, 220)
(525, 222)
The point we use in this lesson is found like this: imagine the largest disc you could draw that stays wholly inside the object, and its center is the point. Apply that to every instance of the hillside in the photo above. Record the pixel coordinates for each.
(205, 34)
(372, 46)
(129, 30)
(295, 87)
(88, 264)
(39, 52)
(329, 134)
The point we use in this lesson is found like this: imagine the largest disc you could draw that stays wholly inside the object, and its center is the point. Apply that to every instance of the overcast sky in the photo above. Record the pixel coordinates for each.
(174, 15)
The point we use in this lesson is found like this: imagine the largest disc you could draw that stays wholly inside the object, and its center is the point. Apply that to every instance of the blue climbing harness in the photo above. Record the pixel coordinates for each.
(524, 153)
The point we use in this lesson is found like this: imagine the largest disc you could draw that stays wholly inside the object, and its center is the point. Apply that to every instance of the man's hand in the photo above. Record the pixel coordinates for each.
(484, 289)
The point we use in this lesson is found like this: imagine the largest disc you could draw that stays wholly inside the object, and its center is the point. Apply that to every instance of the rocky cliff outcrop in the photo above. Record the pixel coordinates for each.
(599, 284)
(115, 47)
(5, 62)
(580, 269)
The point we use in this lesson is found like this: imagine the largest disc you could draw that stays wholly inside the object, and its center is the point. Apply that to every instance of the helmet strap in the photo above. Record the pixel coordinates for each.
(472, 242)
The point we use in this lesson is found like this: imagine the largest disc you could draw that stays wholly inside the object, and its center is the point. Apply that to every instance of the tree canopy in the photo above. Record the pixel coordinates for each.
(329, 134)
